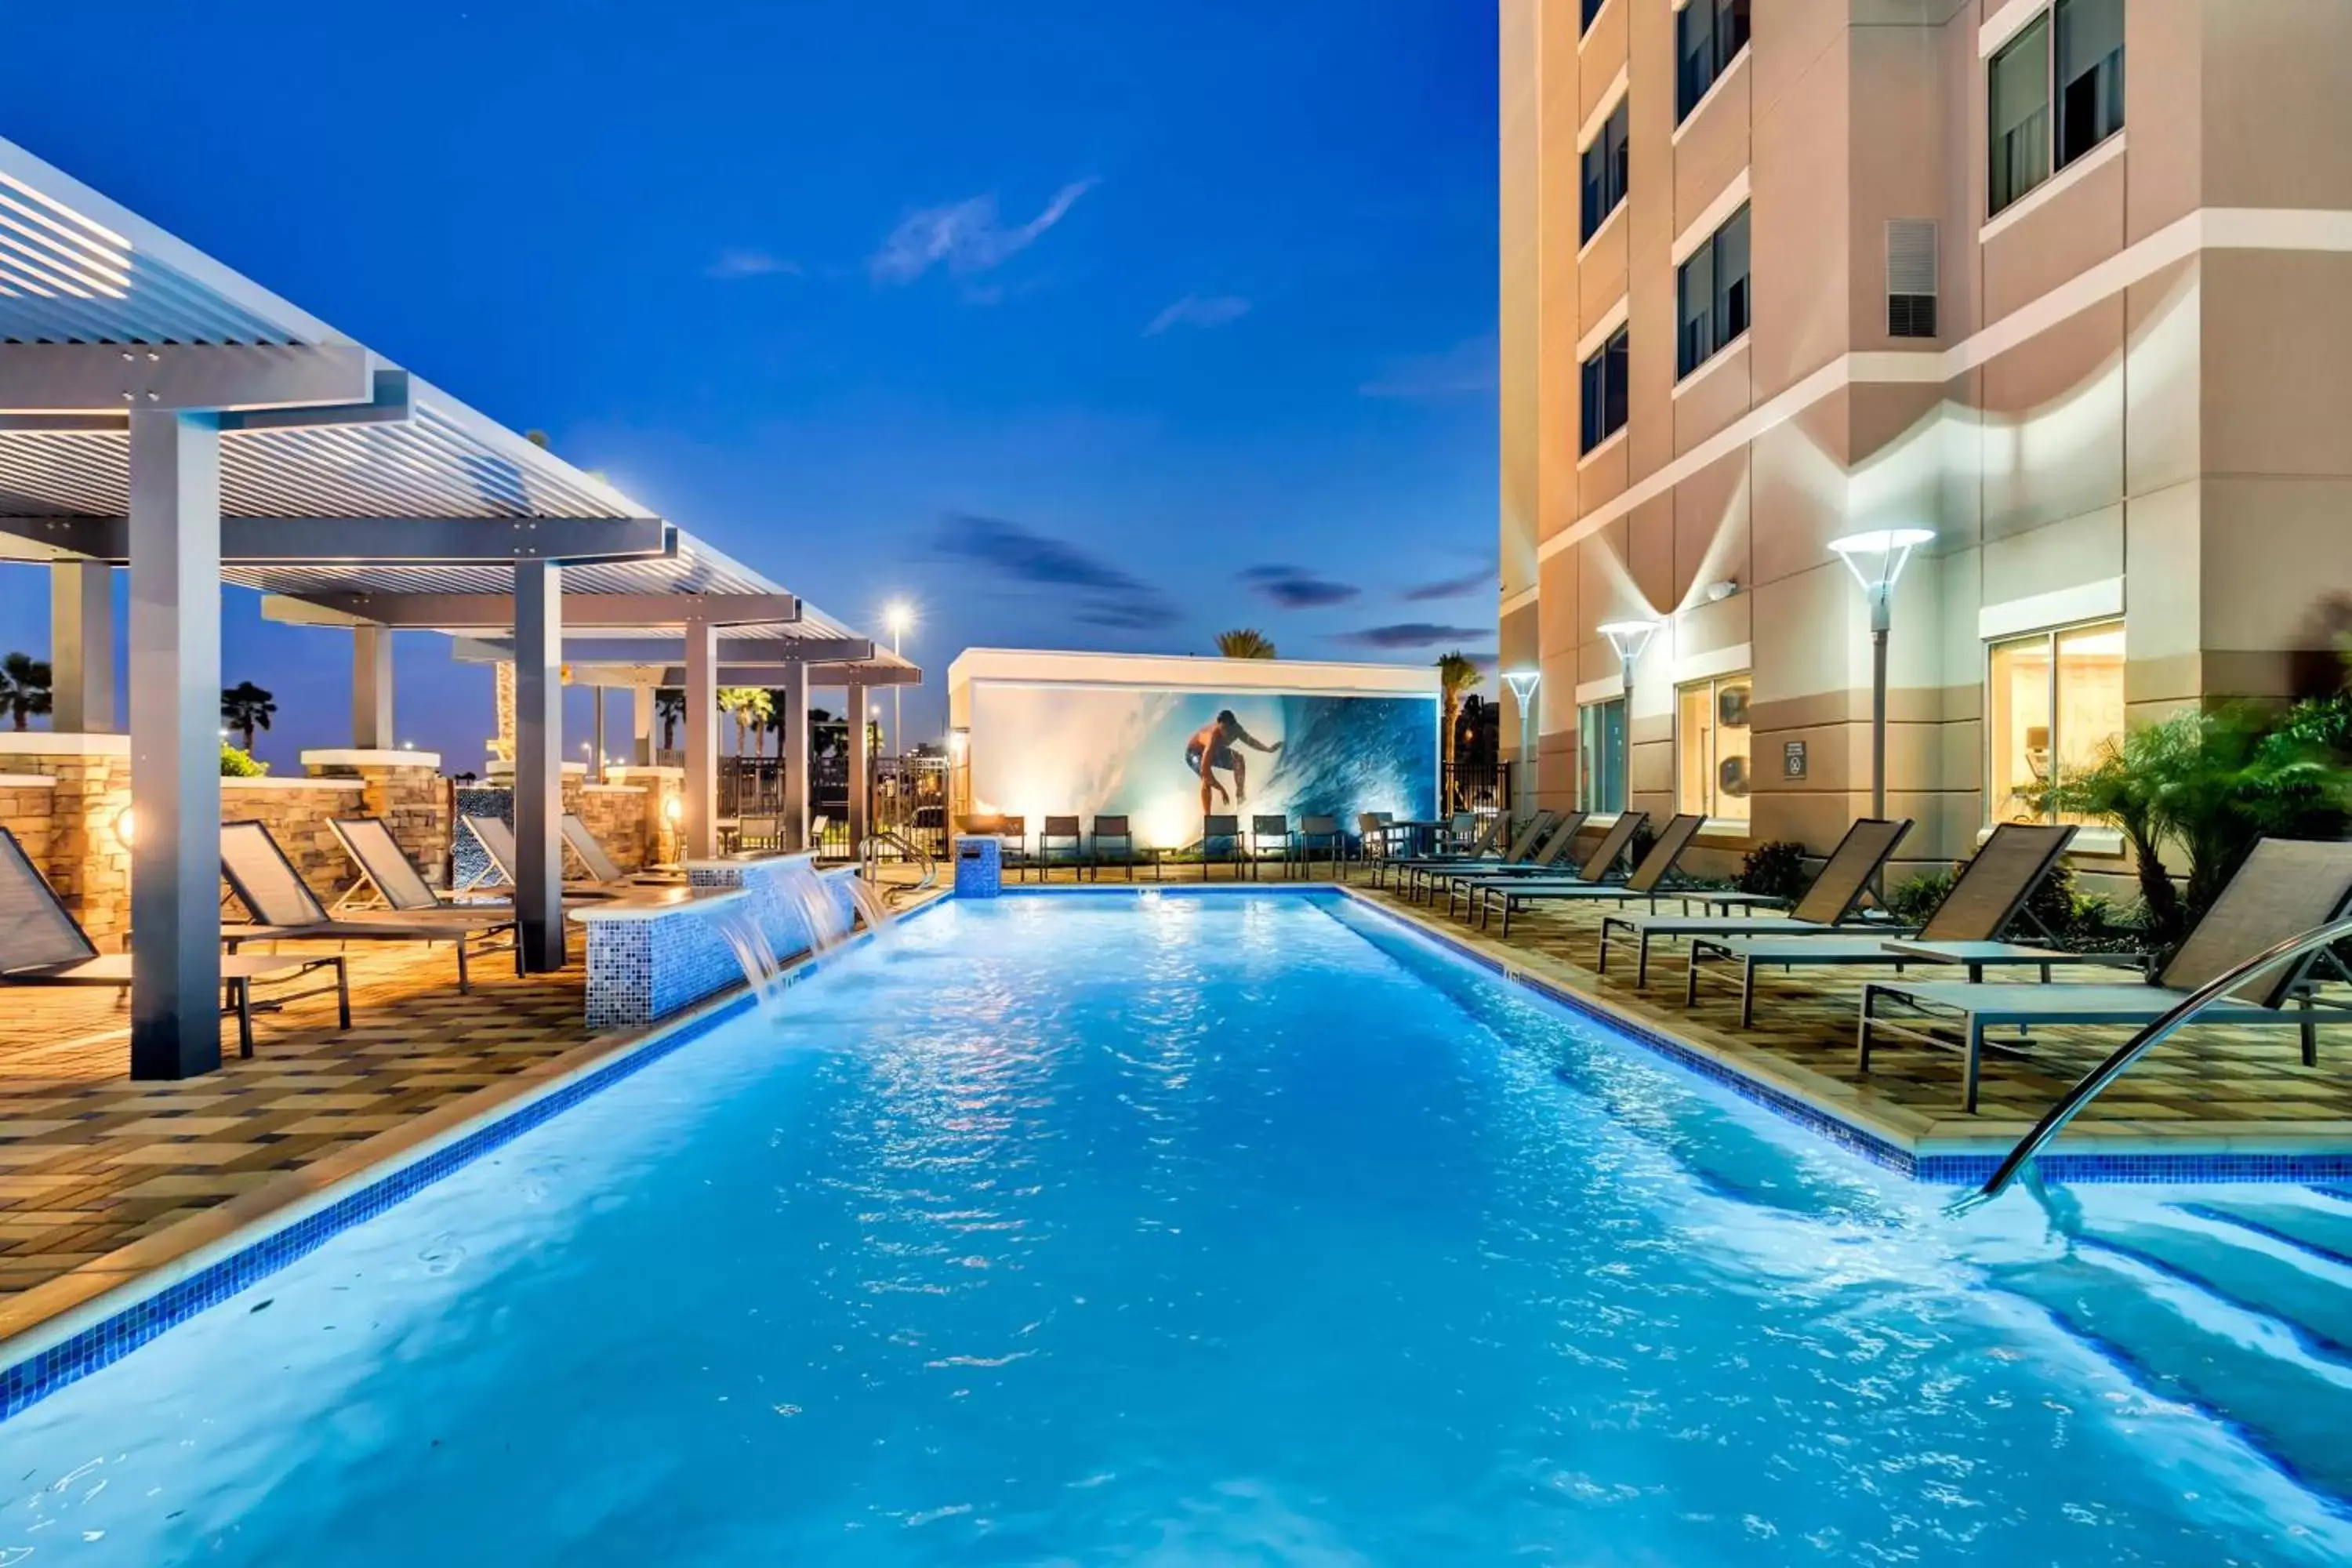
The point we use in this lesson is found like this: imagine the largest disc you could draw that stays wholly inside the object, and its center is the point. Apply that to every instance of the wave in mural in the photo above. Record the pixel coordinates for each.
(1156, 756)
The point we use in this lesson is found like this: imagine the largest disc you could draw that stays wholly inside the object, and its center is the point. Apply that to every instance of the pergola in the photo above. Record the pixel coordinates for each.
(160, 412)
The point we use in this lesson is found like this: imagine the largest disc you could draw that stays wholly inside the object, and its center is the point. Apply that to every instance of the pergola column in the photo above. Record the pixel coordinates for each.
(642, 704)
(539, 762)
(175, 678)
(793, 755)
(596, 738)
(371, 689)
(701, 739)
(82, 646)
(861, 786)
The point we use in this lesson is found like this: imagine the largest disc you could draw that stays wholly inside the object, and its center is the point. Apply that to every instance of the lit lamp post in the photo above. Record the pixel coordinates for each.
(1523, 683)
(896, 617)
(1629, 639)
(1876, 559)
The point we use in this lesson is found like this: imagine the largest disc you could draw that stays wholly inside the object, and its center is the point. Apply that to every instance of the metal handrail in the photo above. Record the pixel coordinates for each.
(869, 852)
(2151, 1035)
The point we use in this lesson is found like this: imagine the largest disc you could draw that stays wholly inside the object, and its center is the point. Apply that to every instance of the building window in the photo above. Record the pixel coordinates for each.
(1711, 294)
(2053, 701)
(1709, 35)
(1601, 756)
(1605, 396)
(1591, 9)
(1711, 748)
(1606, 167)
(2072, 58)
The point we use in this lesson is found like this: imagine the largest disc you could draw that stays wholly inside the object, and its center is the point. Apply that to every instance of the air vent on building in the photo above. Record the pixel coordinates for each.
(1911, 277)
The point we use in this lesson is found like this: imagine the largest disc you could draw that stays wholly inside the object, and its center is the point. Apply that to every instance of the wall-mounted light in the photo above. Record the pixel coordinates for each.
(1718, 592)
(673, 809)
(126, 828)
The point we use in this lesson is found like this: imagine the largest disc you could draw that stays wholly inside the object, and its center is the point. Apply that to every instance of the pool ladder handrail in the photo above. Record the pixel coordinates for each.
(870, 853)
(2152, 1034)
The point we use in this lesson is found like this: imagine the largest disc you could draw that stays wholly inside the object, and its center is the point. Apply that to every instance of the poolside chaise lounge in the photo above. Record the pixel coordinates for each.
(1486, 845)
(1648, 881)
(603, 871)
(1554, 840)
(1595, 869)
(2285, 887)
(498, 841)
(1825, 908)
(1965, 928)
(42, 944)
(285, 910)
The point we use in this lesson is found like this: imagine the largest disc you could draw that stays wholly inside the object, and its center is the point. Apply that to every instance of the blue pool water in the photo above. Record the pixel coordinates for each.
(1230, 1229)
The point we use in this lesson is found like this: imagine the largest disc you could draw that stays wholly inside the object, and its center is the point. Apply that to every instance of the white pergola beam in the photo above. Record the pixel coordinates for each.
(777, 654)
(495, 612)
(106, 378)
(378, 541)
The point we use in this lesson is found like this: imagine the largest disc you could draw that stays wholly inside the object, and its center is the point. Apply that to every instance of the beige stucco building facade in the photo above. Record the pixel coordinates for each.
(2068, 282)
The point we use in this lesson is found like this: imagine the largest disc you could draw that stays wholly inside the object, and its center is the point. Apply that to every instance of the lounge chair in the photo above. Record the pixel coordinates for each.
(600, 867)
(1557, 840)
(1059, 842)
(1322, 831)
(1264, 831)
(2287, 887)
(1112, 835)
(1825, 908)
(1648, 881)
(1966, 927)
(284, 909)
(42, 944)
(498, 841)
(1486, 844)
(1594, 871)
(1227, 829)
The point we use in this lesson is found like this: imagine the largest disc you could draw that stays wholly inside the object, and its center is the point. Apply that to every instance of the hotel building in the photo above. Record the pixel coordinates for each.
(2066, 283)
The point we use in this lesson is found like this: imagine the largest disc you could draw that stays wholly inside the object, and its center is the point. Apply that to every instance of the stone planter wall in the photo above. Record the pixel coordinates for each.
(84, 856)
(616, 815)
(405, 789)
(296, 811)
(26, 800)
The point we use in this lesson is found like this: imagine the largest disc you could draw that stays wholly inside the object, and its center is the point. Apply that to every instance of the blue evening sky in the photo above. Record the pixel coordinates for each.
(1080, 324)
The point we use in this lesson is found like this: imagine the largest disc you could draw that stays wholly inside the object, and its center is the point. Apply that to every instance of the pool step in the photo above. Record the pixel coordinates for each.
(2308, 1296)
(2247, 1370)
(2322, 1228)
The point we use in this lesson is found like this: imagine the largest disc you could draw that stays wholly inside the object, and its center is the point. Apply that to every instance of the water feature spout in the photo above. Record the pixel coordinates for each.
(764, 971)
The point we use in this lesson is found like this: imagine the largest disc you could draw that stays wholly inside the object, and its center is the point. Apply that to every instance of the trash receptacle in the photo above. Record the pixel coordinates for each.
(978, 867)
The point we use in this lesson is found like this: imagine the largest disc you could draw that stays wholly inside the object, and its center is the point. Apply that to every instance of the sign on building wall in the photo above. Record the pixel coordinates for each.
(1166, 759)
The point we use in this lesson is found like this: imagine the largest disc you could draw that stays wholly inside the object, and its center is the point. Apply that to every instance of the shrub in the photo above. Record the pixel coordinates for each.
(1915, 899)
(1775, 869)
(236, 764)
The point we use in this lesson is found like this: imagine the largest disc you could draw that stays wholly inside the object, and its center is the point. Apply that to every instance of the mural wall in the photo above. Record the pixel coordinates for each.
(1165, 759)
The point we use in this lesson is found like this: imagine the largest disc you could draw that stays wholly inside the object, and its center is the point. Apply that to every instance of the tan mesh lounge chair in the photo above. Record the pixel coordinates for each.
(42, 944)
(285, 910)
(1558, 839)
(1648, 881)
(385, 870)
(1824, 909)
(1596, 869)
(1965, 928)
(603, 872)
(1485, 845)
(2287, 887)
(498, 841)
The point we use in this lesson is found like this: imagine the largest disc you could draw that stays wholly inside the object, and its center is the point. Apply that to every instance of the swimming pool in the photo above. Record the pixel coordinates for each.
(1235, 1229)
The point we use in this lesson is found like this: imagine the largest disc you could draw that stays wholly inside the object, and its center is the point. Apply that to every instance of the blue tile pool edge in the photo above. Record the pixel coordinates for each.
(47, 1356)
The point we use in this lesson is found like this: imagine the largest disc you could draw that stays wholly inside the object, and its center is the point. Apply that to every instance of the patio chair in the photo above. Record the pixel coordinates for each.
(1323, 831)
(1489, 851)
(1059, 842)
(1557, 841)
(283, 908)
(600, 867)
(498, 841)
(1647, 881)
(1225, 829)
(42, 944)
(1112, 835)
(2287, 887)
(758, 832)
(1011, 834)
(1826, 906)
(1596, 870)
(1484, 844)
(1264, 830)
(1966, 927)
(1372, 839)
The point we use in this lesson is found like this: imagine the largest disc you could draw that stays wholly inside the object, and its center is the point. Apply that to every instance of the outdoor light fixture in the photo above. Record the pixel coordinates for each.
(896, 617)
(673, 809)
(126, 828)
(1629, 639)
(1523, 683)
(1876, 559)
(1718, 592)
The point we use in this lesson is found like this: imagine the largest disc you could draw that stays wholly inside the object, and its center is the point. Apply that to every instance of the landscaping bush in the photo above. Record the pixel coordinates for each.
(1915, 899)
(238, 764)
(1775, 869)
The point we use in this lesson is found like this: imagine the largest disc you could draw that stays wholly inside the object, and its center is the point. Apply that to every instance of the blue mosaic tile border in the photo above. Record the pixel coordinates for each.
(36, 1377)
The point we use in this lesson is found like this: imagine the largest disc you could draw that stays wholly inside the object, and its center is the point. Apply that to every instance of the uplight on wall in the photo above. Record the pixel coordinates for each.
(126, 828)
(673, 809)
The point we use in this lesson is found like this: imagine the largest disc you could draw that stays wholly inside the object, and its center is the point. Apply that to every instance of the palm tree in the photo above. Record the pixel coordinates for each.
(24, 685)
(246, 708)
(748, 706)
(669, 701)
(1457, 677)
(1244, 642)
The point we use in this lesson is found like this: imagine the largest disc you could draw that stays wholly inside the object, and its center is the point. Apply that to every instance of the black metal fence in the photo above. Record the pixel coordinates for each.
(1484, 787)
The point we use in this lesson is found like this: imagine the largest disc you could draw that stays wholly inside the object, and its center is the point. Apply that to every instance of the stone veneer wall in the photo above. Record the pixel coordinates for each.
(616, 815)
(408, 792)
(82, 854)
(296, 813)
(26, 800)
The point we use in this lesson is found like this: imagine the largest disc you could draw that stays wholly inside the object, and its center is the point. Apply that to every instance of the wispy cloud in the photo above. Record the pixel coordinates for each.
(1458, 371)
(732, 264)
(1103, 595)
(1479, 581)
(1412, 633)
(1296, 588)
(1195, 311)
(965, 238)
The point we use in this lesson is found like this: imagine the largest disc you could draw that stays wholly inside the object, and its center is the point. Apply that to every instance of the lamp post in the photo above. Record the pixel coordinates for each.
(1629, 639)
(1876, 559)
(896, 617)
(1523, 683)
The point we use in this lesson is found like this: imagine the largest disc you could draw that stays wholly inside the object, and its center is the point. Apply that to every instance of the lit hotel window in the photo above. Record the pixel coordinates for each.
(2073, 58)
(1601, 756)
(1711, 748)
(2053, 700)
